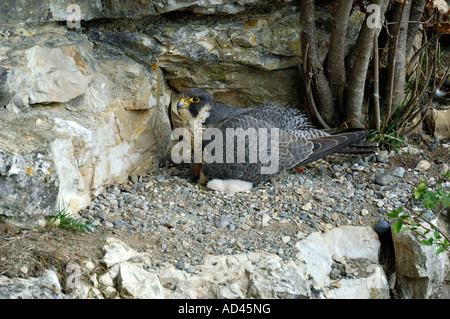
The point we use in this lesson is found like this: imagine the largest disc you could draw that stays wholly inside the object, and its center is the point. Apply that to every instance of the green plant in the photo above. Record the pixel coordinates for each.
(430, 196)
(63, 219)
(388, 139)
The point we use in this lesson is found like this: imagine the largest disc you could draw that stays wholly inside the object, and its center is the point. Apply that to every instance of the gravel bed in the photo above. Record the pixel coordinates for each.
(182, 221)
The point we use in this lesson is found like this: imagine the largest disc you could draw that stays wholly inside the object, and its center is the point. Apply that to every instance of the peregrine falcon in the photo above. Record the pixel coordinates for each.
(271, 136)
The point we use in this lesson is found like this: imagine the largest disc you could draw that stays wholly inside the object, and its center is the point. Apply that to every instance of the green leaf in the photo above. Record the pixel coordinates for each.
(440, 250)
(446, 200)
(397, 226)
(404, 217)
(394, 214)
(417, 194)
(446, 174)
(420, 189)
(425, 242)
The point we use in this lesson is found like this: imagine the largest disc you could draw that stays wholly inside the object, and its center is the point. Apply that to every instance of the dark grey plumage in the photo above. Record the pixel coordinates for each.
(299, 142)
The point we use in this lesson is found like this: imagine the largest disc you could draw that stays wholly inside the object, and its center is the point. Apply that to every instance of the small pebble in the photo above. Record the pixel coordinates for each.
(134, 178)
(335, 274)
(190, 270)
(285, 239)
(423, 165)
(180, 265)
(382, 155)
(383, 179)
(398, 172)
(120, 223)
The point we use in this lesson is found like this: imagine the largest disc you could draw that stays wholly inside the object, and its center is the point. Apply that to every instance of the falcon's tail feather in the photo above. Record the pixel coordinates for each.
(361, 148)
(349, 143)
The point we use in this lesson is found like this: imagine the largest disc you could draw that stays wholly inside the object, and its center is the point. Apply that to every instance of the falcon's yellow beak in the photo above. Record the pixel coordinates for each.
(183, 104)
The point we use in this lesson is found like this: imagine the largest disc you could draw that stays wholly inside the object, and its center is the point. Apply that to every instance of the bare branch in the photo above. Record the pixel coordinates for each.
(376, 83)
(323, 96)
(357, 69)
(416, 14)
(335, 68)
(397, 59)
(309, 96)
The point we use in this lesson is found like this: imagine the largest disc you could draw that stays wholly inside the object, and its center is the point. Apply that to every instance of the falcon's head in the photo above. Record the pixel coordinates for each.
(195, 104)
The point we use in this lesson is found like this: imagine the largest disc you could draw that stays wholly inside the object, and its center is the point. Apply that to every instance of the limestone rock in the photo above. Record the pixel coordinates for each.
(227, 60)
(319, 249)
(238, 59)
(420, 271)
(28, 183)
(45, 287)
(136, 283)
(184, 285)
(373, 287)
(137, 46)
(135, 93)
(116, 252)
(258, 275)
(125, 266)
(255, 274)
(211, 7)
(49, 67)
(46, 11)
(126, 9)
(130, 274)
(56, 74)
(439, 122)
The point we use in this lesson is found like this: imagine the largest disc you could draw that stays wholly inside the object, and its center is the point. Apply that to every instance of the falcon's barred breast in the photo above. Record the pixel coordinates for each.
(298, 142)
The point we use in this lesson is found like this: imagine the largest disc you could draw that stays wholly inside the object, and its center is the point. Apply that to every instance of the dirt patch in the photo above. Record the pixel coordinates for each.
(426, 151)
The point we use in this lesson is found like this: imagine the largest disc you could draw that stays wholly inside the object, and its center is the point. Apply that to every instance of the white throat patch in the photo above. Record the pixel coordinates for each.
(195, 127)
(195, 123)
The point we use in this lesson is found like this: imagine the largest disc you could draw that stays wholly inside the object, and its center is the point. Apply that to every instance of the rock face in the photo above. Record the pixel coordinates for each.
(244, 59)
(73, 122)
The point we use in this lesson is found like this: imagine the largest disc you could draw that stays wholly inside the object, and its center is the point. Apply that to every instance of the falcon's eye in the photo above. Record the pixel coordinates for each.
(195, 99)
